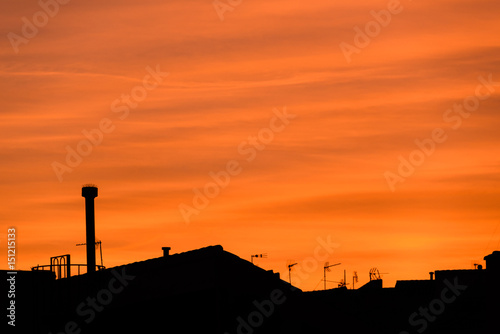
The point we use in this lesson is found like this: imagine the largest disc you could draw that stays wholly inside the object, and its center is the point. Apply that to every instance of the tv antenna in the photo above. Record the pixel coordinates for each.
(290, 265)
(354, 278)
(476, 264)
(98, 243)
(343, 282)
(263, 255)
(375, 274)
(327, 268)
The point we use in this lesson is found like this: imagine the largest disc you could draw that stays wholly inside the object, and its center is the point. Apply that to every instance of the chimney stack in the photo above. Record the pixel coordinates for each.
(166, 251)
(89, 191)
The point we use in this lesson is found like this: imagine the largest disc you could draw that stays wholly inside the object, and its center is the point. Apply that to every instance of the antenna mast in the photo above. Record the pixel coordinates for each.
(290, 271)
(327, 268)
(97, 244)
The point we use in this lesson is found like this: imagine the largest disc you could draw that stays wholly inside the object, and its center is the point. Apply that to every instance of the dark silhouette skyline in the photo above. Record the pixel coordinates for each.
(210, 290)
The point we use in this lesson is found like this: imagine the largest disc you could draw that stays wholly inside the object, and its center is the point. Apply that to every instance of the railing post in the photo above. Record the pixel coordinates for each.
(59, 268)
(68, 271)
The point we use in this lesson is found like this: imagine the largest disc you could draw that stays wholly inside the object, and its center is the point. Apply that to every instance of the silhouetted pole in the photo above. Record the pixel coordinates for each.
(90, 192)
(290, 272)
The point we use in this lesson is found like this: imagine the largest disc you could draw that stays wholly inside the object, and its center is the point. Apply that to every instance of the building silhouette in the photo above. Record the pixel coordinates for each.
(210, 290)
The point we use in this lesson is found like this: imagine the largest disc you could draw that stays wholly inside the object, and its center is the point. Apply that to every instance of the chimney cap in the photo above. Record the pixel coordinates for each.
(89, 190)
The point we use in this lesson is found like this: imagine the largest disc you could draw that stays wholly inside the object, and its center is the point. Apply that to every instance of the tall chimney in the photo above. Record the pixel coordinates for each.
(90, 192)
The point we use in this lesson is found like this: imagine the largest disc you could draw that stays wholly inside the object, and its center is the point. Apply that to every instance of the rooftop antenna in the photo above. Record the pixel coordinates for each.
(290, 265)
(263, 255)
(476, 264)
(354, 278)
(327, 268)
(375, 274)
(343, 282)
(98, 243)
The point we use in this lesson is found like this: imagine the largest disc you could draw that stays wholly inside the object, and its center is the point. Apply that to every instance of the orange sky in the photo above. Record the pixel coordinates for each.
(321, 175)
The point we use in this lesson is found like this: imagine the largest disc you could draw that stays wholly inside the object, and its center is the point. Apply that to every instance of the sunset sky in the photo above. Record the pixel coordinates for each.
(330, 166)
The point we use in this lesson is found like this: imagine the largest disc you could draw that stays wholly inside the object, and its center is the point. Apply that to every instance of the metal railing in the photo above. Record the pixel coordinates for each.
(59, 271)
